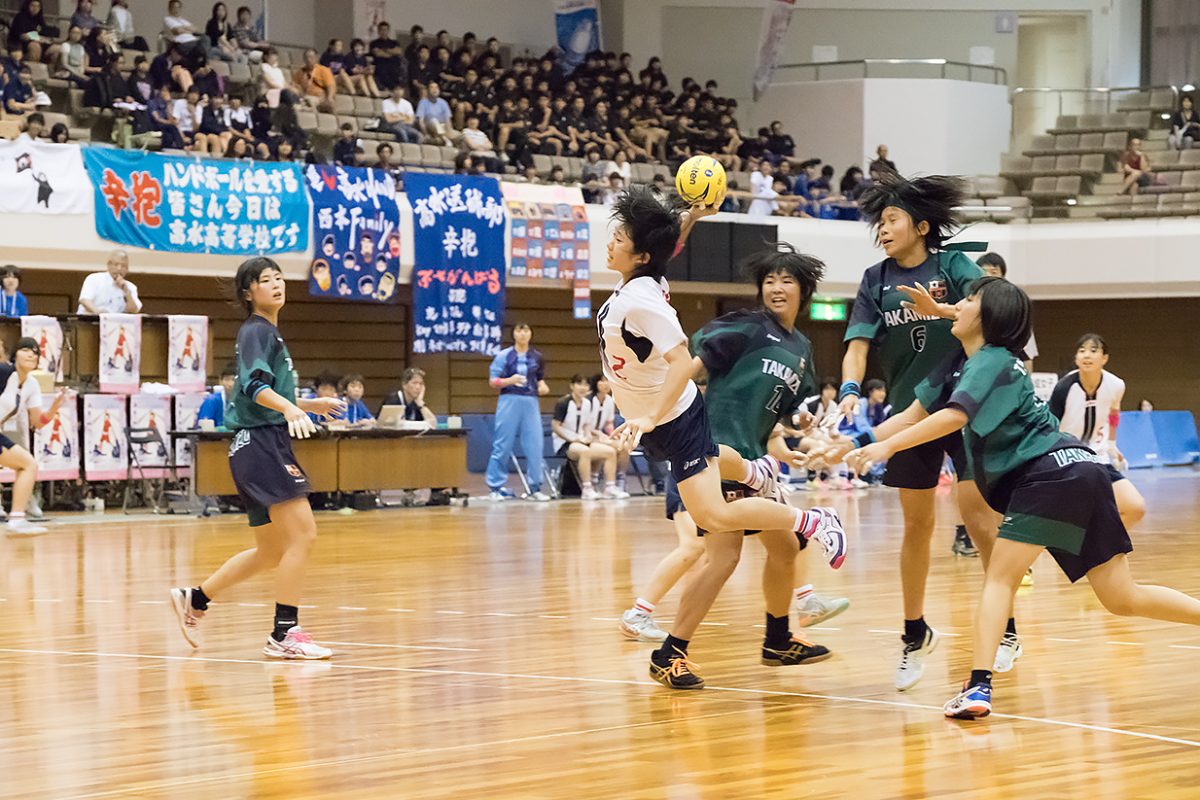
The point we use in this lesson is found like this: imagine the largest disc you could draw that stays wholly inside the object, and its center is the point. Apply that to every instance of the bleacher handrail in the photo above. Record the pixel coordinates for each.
(999, 75)
(1107, 92)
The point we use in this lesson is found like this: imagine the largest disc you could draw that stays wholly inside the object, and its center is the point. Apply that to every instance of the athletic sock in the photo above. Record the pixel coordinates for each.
(587, 485)
(286, 617)
(802, 592)
(805, 522)
(960, 531)
(915, 630)
(758, 470)
(665, 653)
(1011, 627)
(199, 599)
(644, 606)
(778, 635)
(981, 677)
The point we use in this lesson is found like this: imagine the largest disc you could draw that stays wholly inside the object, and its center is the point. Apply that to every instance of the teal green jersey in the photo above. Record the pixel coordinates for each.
(910, 346)
(263, 363)
(1008, 425)
(758, 374)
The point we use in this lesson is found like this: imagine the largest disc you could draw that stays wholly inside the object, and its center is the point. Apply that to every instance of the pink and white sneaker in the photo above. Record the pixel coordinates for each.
(189, 618)
(296, 645)
(826, 530)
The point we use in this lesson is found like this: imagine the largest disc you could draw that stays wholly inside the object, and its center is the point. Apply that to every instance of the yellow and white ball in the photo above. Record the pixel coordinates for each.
(701, 179)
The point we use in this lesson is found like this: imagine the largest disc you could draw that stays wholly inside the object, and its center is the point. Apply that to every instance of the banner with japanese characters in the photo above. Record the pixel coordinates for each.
(355, 223)
(187, 352)
(188, 205)
(151, 411)
(42, 178)
(187, 407)
(549, 238)
(56, 444)
(104, 456)
(47, 332)
(120, 353)
(459, 264)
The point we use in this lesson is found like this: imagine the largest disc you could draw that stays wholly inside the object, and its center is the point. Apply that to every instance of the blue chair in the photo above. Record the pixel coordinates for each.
(1176, 435)
(1137, 439)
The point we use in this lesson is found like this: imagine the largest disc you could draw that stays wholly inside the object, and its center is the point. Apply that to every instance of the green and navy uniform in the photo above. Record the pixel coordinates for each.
(759, 374)
(264, 468)
(1052, 490)
(911, 346)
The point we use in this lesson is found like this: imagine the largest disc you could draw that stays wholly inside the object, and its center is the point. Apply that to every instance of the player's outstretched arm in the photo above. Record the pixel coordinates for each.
(854, 367)
(935, 426)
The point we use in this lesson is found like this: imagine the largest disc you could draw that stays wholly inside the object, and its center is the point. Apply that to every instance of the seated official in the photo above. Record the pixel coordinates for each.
(12, 301)
(352, 387)
(325, 385)
(213, 407)
(411, 396)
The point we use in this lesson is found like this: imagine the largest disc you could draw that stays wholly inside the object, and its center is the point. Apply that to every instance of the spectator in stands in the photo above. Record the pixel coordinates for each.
(361, 70)
(246, 36)
(141, 84)
(1185, 125)
(679, 140)
(824, 182)
(83, 18)
(784, 173)
(213, 126)
(352, 389)
(384, 153)
(237, 119)
(613, 189)
(1145, 405)
(416, 40)
(731, 204)
(316, 82)
(178, 31)
(477, 143)
(1135, 166)
(12, 301)
(187, 112)
(433, 116)
(763, 191)
(780, 143)
(399, 116)
(109, 292)
(334, 58)
(755, 150)
(882, 164)
(274, 82)
(167, 70)
(213, 407)
(120, 21)
(222, 44)
(344, 148)
(411, 396)
(511, 125)
(654, 71)
(557, 175)
(205, 79)
(519, 373)
(491, 51)
(283, 151)
(543, 137)
(238, 148)
(261, 120)
(594, 175)
(161, 110)
(391, 68)
(12, 64)
(72, 58)
(107, 88)
(20, 97)
(572, 439)
(32, 128)
(29, 30)
(102, 48)
(288, 123)
(422, 71)
(59, 133)
(852, 184)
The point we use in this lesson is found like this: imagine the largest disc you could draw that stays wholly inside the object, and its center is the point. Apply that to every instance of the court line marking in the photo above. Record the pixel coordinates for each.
(351, 608)
(407, 646)
(1127, 644)
(615, 682)
(1056, 639)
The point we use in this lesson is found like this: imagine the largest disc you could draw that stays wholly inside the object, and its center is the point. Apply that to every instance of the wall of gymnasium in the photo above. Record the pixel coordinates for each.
(291, 22)
(527, 24)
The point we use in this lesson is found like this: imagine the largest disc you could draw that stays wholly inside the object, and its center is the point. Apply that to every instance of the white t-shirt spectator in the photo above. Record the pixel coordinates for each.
(237, 118)
(476, 140)
(572, 417)
(102, 292)
(120, 19)
(402, 107)
(601, 414)
(624, 170)
(16, 399)
(188, 118)
(764, 203)
(170, 23)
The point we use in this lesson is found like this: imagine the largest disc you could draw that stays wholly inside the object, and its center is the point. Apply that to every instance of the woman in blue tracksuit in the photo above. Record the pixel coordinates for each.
(519, 373)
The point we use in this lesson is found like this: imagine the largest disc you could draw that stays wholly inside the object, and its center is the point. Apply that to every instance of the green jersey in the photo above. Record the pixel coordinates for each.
(758, 374)
(910, 345)
(1008, 425)
(263, 362)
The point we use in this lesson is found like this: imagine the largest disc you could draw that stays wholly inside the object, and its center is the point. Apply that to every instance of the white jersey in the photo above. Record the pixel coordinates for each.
(601, 415)
(1085, 416)
(636, 326)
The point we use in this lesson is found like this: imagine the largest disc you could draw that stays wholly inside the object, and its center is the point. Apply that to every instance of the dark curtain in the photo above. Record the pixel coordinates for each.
(1174, 42)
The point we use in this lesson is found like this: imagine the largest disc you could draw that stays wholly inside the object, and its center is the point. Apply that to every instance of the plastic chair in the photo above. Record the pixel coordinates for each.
(135, 439)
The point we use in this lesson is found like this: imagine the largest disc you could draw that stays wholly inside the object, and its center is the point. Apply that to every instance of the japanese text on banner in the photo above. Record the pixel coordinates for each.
(356, 224)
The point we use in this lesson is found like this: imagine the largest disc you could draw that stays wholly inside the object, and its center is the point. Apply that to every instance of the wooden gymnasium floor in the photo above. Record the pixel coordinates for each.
(477, 656)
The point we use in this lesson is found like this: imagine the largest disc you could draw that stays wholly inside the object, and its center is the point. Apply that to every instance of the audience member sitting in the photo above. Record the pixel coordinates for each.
(213, 407)
(167, 70)
(222, 44)
(383, 154)
(107, 88)
(12, 301)
(102, 49)
(411, 395)
(391, 68)
(32, 128)
(29, 31)
(20, 98)
(178, 31)
(59, 133)
(398, 114)
(161, 110)
(325, 385)
(1185, 125)
(1134, 164)
(273, 82)
(882, 164)
(316, 82)
(352, 389)
(239, 148)
(433, 116)
(344, 148)
(246, 36)
(109, 292)
(780, 143)
(477, 143)
(572, 438)
(613, 190)
(120, 21)
(213, 126)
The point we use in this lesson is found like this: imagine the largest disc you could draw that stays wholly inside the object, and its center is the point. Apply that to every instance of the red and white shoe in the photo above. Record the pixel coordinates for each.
(296, 645)
(189, 618)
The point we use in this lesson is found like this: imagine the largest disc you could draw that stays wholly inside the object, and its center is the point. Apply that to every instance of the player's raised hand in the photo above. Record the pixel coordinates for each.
(629, 433)
(849, 406)
(802, 421)
(699, 211)
(862, 459)
(921, 301)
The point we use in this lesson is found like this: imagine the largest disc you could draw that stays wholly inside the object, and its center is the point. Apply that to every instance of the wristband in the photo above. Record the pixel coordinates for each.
(849, 388)
(1114, 419)
(863, 439)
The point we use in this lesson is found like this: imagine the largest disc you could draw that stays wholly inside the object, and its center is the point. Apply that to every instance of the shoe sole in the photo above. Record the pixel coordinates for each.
(996, 666)
(178, 598)
(665, 681)
(818, 620)
(269, 653)
(771, 662)
(937, 637)
(970, 712)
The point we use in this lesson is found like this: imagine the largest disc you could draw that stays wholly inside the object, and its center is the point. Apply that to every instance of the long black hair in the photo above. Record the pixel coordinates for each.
(653, 228)
(930, 199)
(247, 275)
(1005, 313)
(781, 257)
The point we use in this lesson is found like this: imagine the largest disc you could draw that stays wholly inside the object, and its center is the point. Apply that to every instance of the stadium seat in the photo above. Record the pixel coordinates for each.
(542, 164)
(431, 156)
(307, 119)
(363, 106)
(410, 153)
(326, 124)
(343, 105)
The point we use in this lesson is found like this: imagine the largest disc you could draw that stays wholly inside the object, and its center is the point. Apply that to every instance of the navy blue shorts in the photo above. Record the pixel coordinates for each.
(6, 443)
(920, 467)
(265, 471)
(685, 441)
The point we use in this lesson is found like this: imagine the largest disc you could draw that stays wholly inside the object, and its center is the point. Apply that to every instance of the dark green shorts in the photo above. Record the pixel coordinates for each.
(1064, 502)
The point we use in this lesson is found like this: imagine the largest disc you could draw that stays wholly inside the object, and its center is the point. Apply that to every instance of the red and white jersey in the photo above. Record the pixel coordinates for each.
(1083, 415)
(637, 325)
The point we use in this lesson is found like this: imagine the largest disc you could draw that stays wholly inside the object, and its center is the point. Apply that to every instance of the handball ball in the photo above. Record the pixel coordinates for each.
(701, 179)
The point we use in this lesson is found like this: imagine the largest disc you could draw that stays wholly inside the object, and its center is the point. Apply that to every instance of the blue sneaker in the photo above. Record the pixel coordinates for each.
(974, 702)
(500, 495)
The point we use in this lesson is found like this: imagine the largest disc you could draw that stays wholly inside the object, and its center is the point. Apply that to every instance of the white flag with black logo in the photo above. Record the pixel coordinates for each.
(43, 178)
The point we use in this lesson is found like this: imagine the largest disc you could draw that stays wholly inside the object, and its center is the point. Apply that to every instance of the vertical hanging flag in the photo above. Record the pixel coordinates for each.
(577, 23)
(775, 26)
(187, 352)
(104, 456)
(356, 225)
(151, 411)
(120, 352)
(49, 336)
(56, 444)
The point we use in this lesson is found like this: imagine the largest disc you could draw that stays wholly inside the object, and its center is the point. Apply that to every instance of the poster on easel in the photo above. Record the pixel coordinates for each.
(187, 407)
(47, 332)
(120, 353)
(104, 452)
(151, 411)
(56, 444)
(187, 352)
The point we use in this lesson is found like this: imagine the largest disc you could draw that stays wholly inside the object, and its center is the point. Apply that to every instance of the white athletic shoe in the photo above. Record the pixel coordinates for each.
(498, 497)
(1008, 652)
(859, 483)
(815, 609)
(639, 626)
(911, 668)
(189, 618)
(830, 535)
(589, 493)
(296, 645)
(538, 497)
(614, 492)
(23, 527)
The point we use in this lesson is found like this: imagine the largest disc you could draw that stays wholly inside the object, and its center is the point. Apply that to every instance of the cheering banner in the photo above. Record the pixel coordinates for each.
(187, 407)
(120, 352)
(151, 411)
(42, 178)
(458, 268)
(549, 238)
(48, 334)
(187, 352)
(188, 205)
(104, 456)
(577, 23)
(56, 444)
(355, 224)
(775, 27)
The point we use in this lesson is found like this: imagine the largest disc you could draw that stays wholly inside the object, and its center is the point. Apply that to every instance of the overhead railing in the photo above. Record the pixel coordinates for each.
(913, 67)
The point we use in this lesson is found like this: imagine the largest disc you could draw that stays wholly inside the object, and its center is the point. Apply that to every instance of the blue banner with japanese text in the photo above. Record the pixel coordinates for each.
(459, 263)
(355, 222)
(188, 205)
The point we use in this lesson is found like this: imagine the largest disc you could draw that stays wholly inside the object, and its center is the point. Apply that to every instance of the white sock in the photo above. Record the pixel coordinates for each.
(13, 516)
(803, 591)
(643, 605)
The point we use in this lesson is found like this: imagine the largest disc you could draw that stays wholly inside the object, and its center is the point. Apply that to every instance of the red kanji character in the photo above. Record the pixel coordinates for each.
(147, 195)
(493, 279)
(452, 277)
(424, 277)
(114, 193)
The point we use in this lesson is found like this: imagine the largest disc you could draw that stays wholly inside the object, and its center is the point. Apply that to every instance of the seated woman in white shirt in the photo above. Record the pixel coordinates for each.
(20, 413)
(602, 419)
(573, 438)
